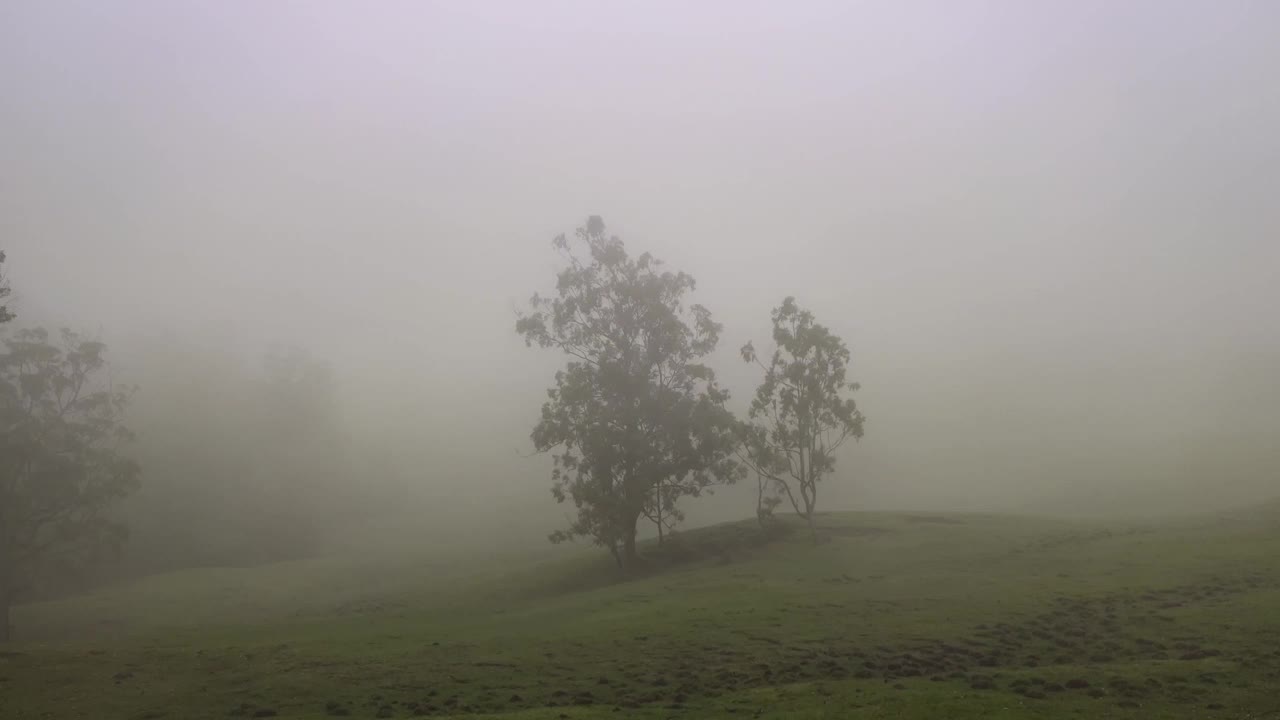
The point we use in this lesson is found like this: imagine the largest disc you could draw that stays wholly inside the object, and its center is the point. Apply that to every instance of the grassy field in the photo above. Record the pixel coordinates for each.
(891, 616)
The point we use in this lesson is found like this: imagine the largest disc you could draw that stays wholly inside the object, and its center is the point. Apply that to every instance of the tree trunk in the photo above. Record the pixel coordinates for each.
(813, 511)
(808, 494)
(760, 499)
(629, 544)
(805, 487)
(629, 553)
(659, 513)
(5, 627)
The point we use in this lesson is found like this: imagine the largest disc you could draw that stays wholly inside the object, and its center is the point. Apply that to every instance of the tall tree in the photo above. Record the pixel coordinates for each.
(61, 460)
(635, 422)
(800, 415)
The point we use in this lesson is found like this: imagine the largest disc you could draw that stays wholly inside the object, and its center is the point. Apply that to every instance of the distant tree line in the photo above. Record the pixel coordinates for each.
(635, 421)
(245, 466)
(63, 457)
(248, 461)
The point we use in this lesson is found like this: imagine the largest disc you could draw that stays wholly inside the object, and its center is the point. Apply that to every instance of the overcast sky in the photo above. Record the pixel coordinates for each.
(1047, 229)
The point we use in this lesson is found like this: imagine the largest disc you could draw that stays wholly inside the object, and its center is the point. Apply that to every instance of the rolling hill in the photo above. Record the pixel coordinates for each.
(892, 615)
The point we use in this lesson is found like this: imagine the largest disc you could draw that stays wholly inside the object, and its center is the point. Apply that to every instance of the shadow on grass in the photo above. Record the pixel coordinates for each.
(716, 545)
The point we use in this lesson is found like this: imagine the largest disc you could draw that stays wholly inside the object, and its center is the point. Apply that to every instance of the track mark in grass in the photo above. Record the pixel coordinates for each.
(981, 682)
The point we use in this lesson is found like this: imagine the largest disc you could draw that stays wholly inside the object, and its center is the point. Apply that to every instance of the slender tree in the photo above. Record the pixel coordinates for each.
(634, 422)
(800, 415)
(62, 461)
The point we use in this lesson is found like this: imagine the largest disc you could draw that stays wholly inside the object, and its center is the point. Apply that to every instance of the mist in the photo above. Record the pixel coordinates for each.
(1046, 231)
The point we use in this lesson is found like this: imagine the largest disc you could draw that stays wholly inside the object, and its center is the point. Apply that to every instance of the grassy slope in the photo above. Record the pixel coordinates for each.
(895, 616)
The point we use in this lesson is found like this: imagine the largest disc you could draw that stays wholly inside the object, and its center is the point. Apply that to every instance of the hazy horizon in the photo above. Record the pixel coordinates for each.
(1046, 231)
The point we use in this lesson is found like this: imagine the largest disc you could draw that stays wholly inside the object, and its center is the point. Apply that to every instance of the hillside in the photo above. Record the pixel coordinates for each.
(893, 615)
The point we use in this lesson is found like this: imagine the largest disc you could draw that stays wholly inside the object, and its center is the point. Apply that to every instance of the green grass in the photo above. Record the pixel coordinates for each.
(892, 616)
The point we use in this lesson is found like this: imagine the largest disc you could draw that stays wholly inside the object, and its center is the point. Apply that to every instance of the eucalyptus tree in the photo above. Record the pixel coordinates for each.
(635, 421)
(802, 412)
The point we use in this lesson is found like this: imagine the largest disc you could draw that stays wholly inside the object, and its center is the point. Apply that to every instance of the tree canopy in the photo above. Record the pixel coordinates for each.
(801, 414)
(62, 459)
(635, 421)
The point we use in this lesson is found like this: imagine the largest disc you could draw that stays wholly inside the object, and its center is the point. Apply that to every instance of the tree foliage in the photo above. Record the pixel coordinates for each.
(635, 422)
(62, 459)
(801, 414)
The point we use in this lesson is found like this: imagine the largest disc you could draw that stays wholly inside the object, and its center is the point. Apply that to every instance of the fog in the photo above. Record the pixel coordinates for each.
(1046, 230)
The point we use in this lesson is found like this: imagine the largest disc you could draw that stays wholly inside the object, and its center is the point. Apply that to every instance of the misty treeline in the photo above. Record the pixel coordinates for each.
(636, 420)
(61, 459)
(245, 463)
(252, 460)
